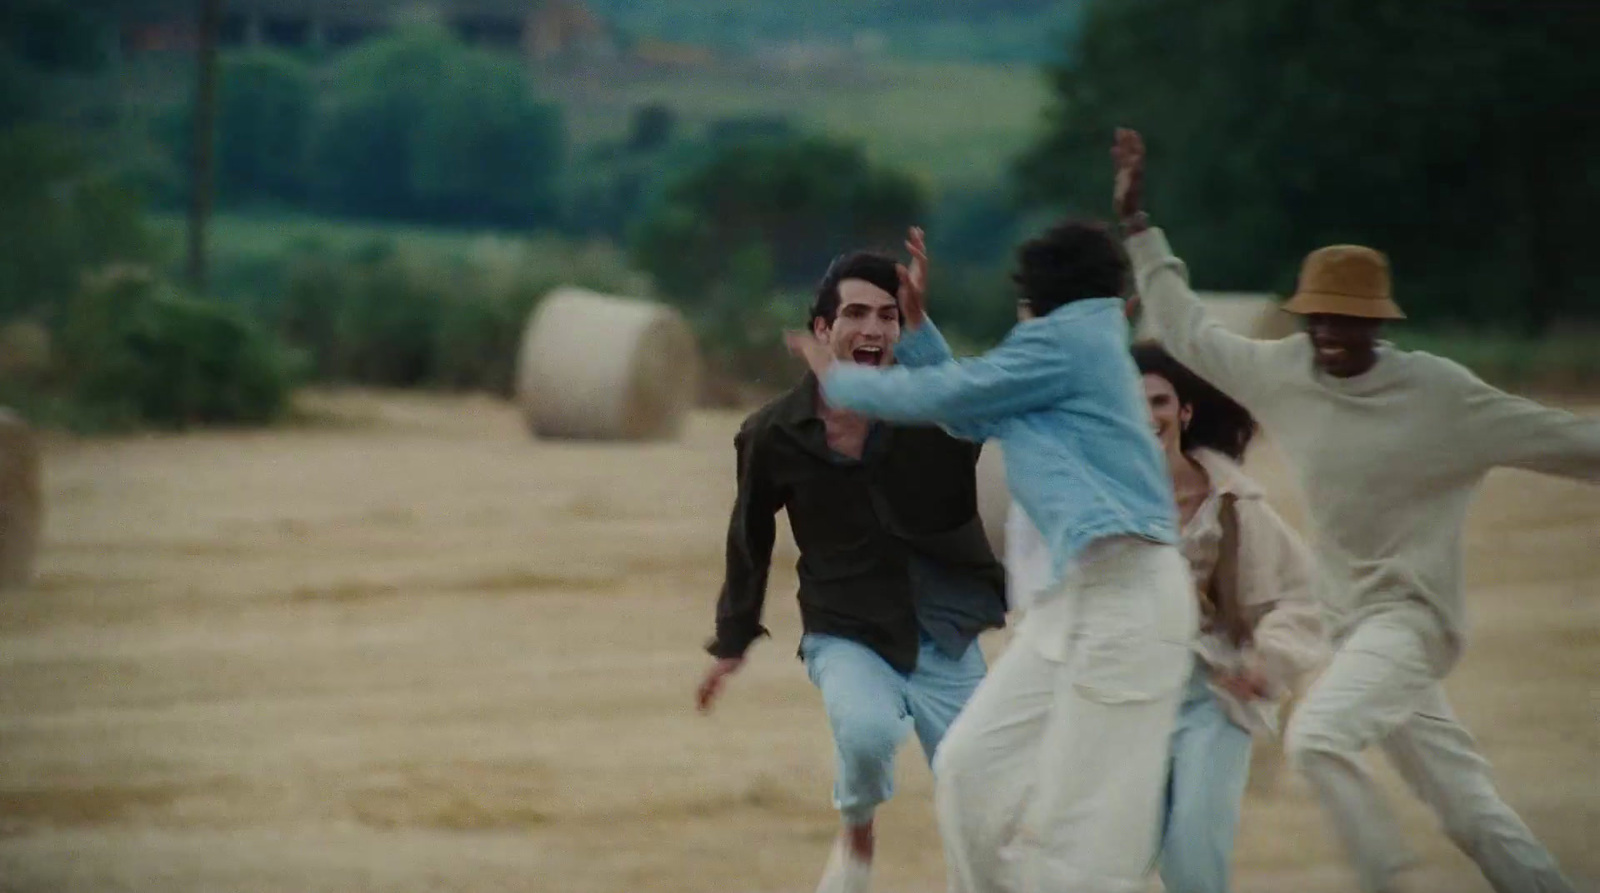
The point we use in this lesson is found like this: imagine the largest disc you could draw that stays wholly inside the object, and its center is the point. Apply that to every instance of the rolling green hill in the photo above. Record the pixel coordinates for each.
(943, 30)
(953, 125)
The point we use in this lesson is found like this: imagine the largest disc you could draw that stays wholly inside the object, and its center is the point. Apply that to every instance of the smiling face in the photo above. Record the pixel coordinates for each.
(1168, 415)
(866, 326)
(1343, 346)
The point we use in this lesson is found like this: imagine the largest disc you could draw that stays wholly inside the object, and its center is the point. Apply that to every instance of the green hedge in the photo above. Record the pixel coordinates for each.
(133, 351)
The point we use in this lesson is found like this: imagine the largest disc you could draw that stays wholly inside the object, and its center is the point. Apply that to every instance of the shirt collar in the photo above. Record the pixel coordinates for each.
(1227, 477)
(797, 414)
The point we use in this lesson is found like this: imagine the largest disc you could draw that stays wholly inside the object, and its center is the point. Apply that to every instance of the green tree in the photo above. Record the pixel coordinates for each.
(419, 126)
(651, 127)
(41, 39)
(794, 203)
(264, 120)
(264, 114)
(63, 218)
(1447, 134)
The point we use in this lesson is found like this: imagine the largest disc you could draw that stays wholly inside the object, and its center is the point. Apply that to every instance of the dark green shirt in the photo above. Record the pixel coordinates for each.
(891, 545)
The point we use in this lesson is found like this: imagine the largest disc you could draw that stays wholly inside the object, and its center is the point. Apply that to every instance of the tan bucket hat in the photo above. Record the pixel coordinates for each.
(1347, 280)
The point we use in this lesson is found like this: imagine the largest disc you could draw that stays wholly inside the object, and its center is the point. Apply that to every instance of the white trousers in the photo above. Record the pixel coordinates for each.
(1383, 687)
(1052, 778)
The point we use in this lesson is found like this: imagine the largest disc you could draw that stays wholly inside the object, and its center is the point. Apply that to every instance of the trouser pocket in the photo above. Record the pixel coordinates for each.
(1129, 669)
(1133, 637)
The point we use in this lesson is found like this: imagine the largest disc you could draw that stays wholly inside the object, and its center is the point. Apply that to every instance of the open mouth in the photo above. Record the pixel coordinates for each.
(869, 355)
(1332, 352)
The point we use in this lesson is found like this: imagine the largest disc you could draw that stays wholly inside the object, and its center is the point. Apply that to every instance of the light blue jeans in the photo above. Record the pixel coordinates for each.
(1207, 772)
(871, 706)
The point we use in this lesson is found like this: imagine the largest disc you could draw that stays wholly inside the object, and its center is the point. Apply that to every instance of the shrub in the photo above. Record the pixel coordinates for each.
(62, 217)
(136, 350)
(402, 314)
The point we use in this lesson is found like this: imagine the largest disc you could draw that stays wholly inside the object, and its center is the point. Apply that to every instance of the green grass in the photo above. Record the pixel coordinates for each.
(1564, 362)
(249, 252)
(947, 123)
(244, 235)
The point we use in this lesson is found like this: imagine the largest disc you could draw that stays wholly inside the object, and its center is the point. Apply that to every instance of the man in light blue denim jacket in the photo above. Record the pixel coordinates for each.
(1052, 777)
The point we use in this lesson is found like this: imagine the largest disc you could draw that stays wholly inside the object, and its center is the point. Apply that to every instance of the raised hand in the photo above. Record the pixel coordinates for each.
(914, 281)
(807, 346)
(1127, 155)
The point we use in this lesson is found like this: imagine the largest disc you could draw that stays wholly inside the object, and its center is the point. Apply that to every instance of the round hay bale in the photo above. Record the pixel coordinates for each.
(994, 499)
(21, 501)
(599, 367)
(1257, 316)
(24, 350)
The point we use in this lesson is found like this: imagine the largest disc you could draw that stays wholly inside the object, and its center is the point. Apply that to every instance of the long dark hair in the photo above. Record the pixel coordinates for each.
(1215, 421)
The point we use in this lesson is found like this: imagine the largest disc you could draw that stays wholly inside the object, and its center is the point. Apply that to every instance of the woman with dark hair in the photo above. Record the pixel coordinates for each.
(1260, 626)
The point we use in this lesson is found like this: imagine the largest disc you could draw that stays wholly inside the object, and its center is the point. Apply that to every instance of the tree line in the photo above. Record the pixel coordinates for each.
(1457, 137)
(1460, 137)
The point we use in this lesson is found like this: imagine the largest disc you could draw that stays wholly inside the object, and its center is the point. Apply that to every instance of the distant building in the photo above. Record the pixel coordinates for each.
(664, 54)
(543, 29)
(562, 30)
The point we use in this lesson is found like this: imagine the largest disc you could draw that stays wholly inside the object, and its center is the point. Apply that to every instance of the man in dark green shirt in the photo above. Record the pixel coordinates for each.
(896, 575)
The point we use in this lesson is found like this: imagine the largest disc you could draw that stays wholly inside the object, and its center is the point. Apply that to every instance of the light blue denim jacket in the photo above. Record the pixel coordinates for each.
(1062, 395)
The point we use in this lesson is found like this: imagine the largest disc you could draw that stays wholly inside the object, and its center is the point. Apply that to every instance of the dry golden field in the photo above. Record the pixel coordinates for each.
(408, 648)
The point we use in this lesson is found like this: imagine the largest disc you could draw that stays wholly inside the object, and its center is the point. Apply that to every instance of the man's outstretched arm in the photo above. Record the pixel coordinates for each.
(922, 344)
(1519, 433)
(1234, 364)
(925, 346)
(1025, 373)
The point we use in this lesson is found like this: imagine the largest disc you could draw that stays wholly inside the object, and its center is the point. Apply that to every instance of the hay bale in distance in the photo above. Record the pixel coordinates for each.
(21, 500)
(24, 350)
(600, 367)
(1257, 316)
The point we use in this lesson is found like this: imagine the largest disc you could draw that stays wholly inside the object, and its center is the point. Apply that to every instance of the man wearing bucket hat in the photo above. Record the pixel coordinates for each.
(1389, 447)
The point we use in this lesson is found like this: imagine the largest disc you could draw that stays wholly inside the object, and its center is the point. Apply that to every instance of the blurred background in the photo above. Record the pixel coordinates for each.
(311, 609)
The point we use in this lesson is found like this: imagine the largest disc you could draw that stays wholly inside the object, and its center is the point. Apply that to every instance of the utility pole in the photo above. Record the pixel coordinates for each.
(205, 115)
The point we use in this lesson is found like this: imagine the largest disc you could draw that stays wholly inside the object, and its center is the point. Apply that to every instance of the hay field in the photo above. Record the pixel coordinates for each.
(406, 648)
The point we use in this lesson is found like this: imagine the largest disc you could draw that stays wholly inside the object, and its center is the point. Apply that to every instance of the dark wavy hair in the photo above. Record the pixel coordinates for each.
(1071, 261)
(872, 267)
(1216, 421)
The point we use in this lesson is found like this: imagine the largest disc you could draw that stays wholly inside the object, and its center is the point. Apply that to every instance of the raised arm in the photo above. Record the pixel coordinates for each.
(923, 346)
(921, 342)
(1233, 363)
(1512, 431)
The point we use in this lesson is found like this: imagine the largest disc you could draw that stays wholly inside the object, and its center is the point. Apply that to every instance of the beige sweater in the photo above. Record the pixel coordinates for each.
(1388, 461)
